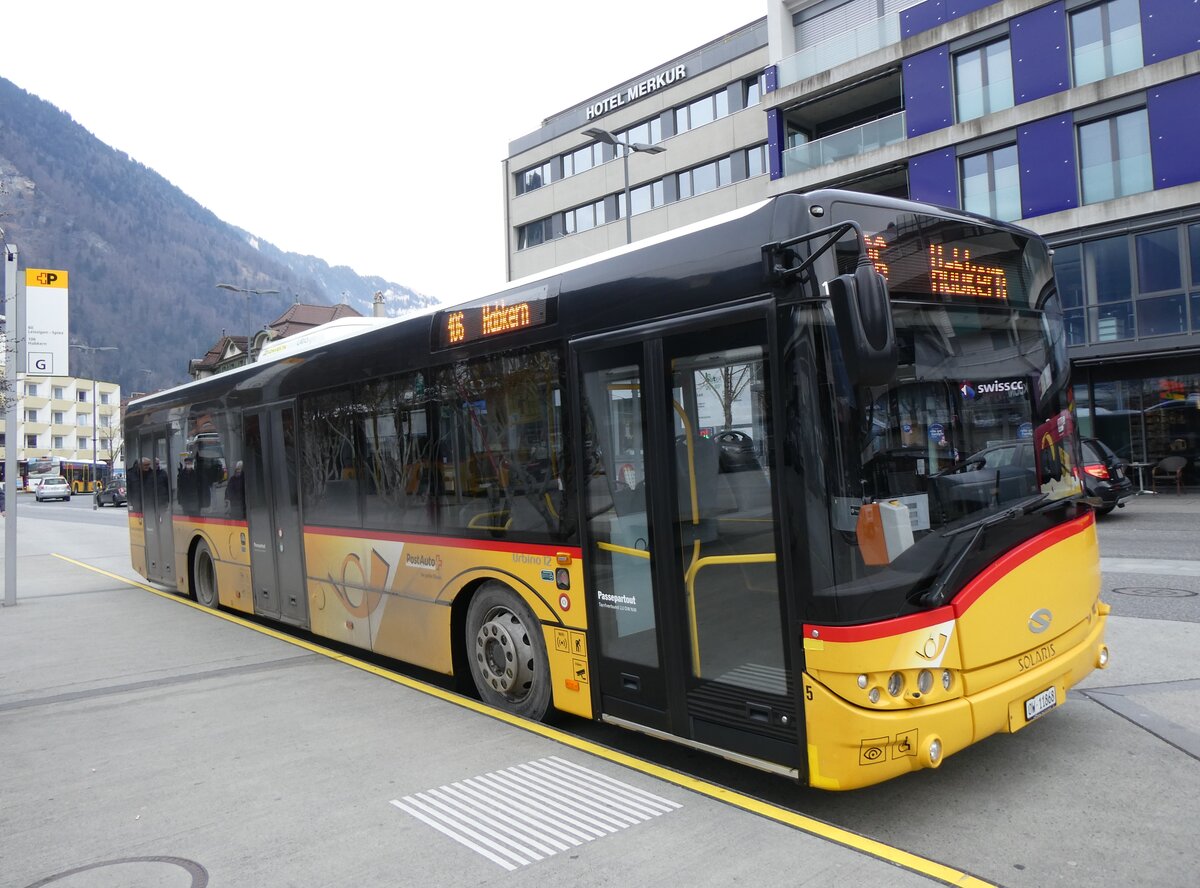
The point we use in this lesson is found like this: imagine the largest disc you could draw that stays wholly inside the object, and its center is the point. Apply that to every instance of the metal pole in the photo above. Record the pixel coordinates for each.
(10, 423)
(95, 429)
(628, 206)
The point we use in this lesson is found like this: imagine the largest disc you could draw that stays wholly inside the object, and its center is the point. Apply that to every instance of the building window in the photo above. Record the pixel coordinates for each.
(104, 443)
(753, 89)
(83, 443)
(583, 218)
(58, 442)
(704, 110)
(82, 394)
(104, 397)
(533, 234)
(983, 80)
(991, 184)
(1114, 156)
(31, 442)
(1068, 274)
(58, 393)
(756, 161)
(31, 390)
(105, 421)
(1106, 39)
(583, 159)
(84, 419)
(31, 415)
(532, 179)
(648, 133)
(59, 417)
(644, 198)
(704, 178)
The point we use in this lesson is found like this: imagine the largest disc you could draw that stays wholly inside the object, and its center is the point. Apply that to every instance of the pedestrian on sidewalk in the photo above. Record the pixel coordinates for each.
(1, 499)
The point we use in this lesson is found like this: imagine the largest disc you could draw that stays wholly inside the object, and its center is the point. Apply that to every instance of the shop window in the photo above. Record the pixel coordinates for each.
(1114, 156)
(1106, 39)
(1158, 261)
(1162, 316)
(983, 80)
(991, 184)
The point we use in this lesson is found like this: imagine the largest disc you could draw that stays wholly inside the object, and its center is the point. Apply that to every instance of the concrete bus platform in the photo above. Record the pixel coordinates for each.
(146, 742)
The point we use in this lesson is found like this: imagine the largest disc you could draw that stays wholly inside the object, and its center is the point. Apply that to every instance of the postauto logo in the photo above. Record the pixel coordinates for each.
(971, 390)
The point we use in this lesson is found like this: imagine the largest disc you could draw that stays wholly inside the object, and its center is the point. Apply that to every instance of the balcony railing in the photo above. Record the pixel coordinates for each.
(843, 48)
(849, 143)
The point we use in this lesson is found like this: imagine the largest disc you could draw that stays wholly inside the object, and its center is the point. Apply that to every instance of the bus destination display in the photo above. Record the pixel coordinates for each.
(939, 270)
(472, 323)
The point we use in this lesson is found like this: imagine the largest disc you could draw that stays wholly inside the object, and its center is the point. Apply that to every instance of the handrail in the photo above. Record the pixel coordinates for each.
(696, 566)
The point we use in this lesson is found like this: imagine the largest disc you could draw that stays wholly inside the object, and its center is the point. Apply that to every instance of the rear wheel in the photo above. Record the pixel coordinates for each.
(204, 577)
(507, 652)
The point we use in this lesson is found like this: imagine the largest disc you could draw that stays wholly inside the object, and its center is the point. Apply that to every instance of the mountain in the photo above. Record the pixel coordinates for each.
(144, 258)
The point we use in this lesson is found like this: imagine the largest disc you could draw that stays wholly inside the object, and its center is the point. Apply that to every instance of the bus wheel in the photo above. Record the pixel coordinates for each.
(204, 577)
(507, 652)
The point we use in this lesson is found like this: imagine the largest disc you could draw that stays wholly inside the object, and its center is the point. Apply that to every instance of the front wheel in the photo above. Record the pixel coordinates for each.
(204, 577)
(507, 652)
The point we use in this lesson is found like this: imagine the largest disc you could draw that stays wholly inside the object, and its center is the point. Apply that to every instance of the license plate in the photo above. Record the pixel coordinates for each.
(1041, 704)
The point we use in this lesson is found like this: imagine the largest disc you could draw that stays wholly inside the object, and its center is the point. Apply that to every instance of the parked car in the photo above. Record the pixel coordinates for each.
(113, 493)
(1105, 476)
(53, 488)
(737, 451)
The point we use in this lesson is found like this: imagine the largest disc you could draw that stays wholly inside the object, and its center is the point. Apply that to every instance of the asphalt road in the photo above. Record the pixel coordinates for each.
(1101, 792)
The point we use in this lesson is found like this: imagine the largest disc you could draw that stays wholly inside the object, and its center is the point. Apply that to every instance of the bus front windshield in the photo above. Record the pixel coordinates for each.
(964, 453)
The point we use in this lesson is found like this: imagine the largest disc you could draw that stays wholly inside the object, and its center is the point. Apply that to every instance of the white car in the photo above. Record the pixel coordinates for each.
(53, 488)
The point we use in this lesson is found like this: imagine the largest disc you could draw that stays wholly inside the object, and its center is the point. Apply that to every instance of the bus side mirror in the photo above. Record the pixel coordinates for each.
(862, 312)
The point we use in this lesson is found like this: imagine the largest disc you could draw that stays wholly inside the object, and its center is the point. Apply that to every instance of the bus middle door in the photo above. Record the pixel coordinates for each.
(273, 515)
(155, 486)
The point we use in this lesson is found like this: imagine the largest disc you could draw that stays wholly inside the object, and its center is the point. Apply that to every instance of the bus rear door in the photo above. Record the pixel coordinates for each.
(273, 515)
(156, 507)
(681, 537)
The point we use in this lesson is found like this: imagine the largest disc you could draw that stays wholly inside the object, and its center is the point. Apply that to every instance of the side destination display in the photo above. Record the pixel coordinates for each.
(470, 323)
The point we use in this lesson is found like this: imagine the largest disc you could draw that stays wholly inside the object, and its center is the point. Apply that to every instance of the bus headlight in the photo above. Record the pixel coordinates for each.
(925, 681)
(862, 682)
(1102, 656)
(895, 684)
(873, 696)
(947, 679)
(931, 751)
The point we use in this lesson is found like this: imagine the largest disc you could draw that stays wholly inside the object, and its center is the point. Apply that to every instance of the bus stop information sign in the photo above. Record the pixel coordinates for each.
(45, 322)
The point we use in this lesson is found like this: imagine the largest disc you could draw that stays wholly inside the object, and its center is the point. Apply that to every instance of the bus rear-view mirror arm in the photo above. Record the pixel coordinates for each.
(862, 309)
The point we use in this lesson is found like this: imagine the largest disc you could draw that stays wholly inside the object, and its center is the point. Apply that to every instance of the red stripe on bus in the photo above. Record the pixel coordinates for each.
(227, 522)
(455, 542)
(971, 593)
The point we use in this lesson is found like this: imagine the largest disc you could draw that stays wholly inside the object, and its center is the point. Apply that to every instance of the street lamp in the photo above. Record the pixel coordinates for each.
(249, 291)
(603, 135)
(95, 412)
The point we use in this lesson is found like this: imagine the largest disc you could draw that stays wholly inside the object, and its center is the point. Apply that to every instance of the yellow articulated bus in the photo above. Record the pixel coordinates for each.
(751, 487)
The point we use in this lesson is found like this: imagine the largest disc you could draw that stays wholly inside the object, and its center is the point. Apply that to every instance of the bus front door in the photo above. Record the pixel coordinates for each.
(681, 537)
(273, 515)
(156, 507)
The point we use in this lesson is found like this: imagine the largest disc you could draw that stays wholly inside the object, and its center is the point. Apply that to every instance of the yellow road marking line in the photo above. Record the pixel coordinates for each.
(812, 826)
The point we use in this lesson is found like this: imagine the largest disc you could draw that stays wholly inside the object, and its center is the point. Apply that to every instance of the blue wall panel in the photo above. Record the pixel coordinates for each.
(933, 177)
(922, 17)
(932, 13)
(1046, 152)
(775, 142)
(928, 98)
(1169, 28)
(1041, 66)
(1174, 131)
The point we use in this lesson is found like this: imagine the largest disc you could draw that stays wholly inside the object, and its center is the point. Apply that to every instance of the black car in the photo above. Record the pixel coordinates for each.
(112, 494)
(737, 451)
(1105, 476)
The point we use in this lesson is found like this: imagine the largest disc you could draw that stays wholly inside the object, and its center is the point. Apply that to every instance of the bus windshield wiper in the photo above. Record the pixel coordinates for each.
(935, 595)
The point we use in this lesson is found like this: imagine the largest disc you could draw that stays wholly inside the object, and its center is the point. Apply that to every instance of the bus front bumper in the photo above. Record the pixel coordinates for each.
(853, 746)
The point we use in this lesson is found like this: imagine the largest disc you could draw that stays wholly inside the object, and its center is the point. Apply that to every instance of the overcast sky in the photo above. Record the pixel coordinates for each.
(368, 133)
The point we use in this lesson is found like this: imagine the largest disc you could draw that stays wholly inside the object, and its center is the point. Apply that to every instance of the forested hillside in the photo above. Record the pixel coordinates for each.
(144, 258)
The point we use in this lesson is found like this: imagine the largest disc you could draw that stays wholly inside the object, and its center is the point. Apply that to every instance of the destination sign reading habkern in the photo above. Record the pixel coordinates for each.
(937, 269)
(508, 315)
(637, 91)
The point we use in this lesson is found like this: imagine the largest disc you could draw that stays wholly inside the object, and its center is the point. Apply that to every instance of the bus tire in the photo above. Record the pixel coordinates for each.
(507, 652)
(204, 577)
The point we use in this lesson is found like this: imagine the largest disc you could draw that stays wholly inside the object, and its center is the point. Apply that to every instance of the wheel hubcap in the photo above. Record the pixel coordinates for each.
(504, 654)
